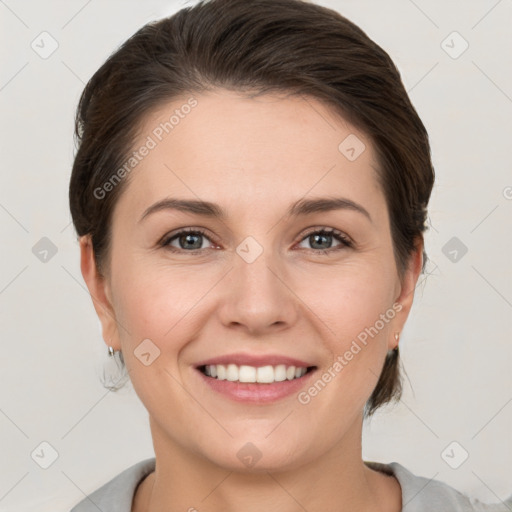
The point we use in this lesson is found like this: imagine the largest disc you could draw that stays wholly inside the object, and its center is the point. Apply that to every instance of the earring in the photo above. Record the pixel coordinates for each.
(114, 373)
(397, 336)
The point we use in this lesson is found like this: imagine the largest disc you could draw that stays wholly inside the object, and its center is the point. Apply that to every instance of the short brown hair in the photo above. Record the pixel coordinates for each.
(259, 46)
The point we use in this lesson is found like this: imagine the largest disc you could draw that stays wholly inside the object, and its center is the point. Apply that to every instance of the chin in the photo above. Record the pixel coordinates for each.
(243, 456)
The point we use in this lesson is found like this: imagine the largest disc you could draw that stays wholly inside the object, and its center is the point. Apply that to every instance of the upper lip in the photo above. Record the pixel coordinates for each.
(254, 360)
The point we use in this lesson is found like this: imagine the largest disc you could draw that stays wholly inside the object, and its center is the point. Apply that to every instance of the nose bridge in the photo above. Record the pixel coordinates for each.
(255, 266)
(258, 296)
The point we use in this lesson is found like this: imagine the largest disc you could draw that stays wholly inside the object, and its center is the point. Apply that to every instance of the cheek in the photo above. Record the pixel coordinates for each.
(357, 347)
(350, 299)
(356, 306)
(154, 312)
(154, 301)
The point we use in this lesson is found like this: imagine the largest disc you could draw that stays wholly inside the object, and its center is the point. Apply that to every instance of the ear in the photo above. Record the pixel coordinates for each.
(99, 289)
(406, 288)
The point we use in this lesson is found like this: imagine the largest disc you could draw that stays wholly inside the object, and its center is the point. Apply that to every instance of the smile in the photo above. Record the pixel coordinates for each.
(262, 374)
(257, 385)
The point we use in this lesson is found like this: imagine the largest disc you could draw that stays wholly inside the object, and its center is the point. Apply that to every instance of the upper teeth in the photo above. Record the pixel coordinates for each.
(263, 374)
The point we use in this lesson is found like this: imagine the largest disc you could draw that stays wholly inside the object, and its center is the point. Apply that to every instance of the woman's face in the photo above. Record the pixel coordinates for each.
(260, 282)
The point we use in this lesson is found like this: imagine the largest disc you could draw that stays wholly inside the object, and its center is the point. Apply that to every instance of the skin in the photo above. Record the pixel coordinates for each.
(254, 157)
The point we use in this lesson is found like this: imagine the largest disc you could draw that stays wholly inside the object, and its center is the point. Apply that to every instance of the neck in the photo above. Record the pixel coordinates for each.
(336, 480)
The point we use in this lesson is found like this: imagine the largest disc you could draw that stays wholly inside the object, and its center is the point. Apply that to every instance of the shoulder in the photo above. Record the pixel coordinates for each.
(421, 494)
(117, 494)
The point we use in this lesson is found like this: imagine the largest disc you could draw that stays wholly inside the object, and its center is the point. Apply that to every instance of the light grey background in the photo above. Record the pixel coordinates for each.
(456, 348)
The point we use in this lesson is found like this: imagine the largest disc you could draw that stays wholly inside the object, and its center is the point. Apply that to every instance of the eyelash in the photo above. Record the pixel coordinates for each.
(338, 235)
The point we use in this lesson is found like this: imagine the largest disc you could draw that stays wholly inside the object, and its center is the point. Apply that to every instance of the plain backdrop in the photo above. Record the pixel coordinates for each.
(456, 348)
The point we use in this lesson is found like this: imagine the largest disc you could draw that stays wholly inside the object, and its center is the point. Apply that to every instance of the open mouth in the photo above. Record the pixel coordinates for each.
(257, 375)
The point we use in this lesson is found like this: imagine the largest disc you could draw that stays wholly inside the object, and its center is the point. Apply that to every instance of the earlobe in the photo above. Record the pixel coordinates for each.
(99, 289)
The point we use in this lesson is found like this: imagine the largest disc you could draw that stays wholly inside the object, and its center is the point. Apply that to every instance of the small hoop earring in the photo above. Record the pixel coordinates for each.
(111, 351)
(397, 337)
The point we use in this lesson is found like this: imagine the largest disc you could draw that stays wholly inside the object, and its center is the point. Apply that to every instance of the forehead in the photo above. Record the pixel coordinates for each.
(255, 152)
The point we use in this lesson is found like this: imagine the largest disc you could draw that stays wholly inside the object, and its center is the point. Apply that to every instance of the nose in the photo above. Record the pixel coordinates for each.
(258, 296)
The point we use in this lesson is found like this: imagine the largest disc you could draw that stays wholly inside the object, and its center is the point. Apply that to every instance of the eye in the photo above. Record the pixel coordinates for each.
(189, 240)
(322, 238)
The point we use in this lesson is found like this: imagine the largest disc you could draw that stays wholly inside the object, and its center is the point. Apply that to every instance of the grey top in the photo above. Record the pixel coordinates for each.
(419, 494)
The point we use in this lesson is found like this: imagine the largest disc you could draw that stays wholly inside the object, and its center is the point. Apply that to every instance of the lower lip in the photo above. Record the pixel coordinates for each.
(254, 392)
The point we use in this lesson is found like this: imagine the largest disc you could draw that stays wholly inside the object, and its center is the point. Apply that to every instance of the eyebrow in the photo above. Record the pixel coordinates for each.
(297, 209)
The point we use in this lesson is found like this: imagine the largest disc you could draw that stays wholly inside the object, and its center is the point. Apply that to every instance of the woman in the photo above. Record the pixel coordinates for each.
(250, 193)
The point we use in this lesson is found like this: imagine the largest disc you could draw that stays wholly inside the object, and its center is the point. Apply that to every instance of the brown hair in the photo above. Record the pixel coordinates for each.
(260, 46)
